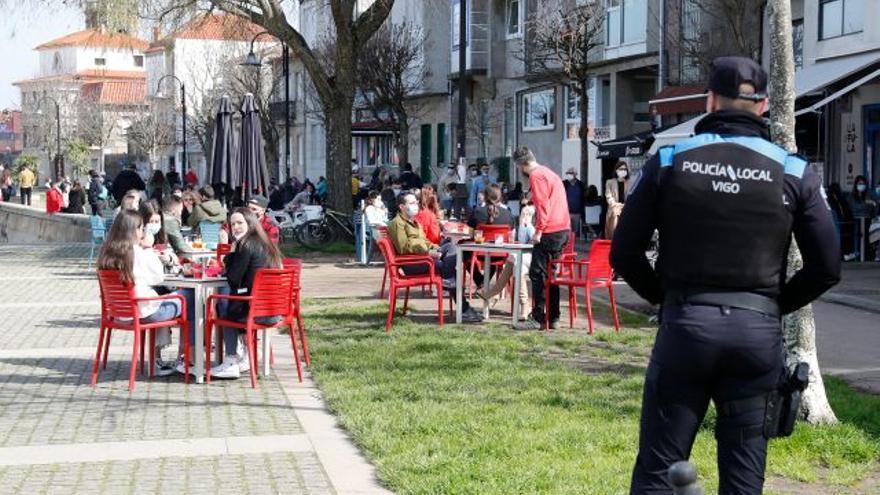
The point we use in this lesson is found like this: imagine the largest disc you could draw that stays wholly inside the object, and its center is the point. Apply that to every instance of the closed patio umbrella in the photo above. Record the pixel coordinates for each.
(254, 177)
(224, 170)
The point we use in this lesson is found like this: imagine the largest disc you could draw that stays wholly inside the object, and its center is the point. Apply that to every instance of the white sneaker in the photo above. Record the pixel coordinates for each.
(178, 367)
(228, 369)
(244, 364)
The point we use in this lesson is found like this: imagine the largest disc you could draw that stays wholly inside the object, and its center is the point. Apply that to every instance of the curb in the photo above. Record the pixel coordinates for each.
(852, 302)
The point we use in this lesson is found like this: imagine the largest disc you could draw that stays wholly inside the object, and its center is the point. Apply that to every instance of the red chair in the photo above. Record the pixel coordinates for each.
(270, 296)
(399, 280)
(382, 231)
(296, 265)
(592, 274)
(120, 311)
(223, 250)
(490, 233)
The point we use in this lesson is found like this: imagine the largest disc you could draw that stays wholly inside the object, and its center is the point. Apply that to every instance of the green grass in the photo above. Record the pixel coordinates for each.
(467, 410)
(338, 247)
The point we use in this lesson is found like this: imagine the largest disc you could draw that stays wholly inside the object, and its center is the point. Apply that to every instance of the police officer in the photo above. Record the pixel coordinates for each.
(725, 202)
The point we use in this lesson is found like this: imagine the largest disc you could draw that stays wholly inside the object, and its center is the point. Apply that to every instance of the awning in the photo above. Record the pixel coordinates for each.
(837, 94)
(632, 145)
(690, 98)
(674, 134)
(815, 77)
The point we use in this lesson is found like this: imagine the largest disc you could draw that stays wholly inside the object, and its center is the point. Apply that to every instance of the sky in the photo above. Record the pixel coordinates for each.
(23, 30)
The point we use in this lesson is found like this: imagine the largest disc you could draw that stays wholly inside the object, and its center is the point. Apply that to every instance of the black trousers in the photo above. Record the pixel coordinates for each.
(549, 248)
(25, 195)
(703, 353)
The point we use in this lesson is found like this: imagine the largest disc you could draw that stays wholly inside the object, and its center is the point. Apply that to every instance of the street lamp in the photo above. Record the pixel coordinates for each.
(59, 160)
(160, 94)
(252, 61)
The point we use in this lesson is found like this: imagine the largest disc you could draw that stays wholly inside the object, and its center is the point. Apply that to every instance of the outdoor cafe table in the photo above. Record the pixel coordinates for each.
(198, 254)
(488, 248)
(201, 287)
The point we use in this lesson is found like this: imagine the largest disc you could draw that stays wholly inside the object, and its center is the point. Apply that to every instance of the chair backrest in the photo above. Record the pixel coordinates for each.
(117, 298)
(223, 250)
(490, 232)
(569, 245)
(294, 264)
(600, 260)
(272, 292)
(210, 232)
(383, 231)
(387, 249)
(592, 214)
(99, 230)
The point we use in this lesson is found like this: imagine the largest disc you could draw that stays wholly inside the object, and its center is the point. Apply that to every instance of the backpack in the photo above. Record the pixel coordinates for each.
(102, 193)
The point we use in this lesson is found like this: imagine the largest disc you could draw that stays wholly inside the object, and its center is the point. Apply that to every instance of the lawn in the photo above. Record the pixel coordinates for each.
(488, 410)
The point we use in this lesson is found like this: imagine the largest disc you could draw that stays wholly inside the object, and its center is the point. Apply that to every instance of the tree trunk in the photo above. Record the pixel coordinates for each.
(584, 131)
(338, 160)
(402, 139)
(799, 328)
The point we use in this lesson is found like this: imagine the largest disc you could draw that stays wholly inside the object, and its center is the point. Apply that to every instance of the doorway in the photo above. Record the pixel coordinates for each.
(872, 143)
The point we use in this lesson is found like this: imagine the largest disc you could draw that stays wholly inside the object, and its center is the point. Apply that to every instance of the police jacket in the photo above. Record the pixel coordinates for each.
(725, 203)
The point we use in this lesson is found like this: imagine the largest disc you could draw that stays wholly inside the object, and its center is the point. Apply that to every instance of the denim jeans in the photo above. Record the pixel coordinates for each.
(168, 310)
(231, 335)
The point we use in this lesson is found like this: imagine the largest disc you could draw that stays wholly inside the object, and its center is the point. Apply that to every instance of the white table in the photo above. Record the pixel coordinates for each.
(200, 286)
(510, 249)
(198, 254)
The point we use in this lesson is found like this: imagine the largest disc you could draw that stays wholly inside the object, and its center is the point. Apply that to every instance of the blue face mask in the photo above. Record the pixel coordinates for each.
(412, 210)
(861, 187)
(152, 228)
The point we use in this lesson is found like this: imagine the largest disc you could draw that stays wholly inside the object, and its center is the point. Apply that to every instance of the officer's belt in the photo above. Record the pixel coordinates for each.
(741, 300)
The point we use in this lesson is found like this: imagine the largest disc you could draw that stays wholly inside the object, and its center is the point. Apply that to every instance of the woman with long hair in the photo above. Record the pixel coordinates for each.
(123, 251)
(251, 250)
(76, 198)
(524, 233)
(157, 188)
(494, 212)
(428, 216)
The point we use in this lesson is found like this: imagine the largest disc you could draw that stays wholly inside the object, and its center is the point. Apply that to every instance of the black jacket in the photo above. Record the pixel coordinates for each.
(241, 269)
(75, 201)
(480, 216)
(126, 181)
(812, 224)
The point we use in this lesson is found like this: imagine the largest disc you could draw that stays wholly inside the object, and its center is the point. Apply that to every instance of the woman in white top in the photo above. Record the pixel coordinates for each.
(524, 233)
(123, 251)
(376, 215)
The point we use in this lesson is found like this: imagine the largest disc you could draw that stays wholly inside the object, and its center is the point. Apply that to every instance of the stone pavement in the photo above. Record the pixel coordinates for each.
(58, 435)
(859, 287)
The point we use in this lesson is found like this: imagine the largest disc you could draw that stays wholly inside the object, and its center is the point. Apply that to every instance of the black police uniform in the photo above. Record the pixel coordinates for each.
(725, 202)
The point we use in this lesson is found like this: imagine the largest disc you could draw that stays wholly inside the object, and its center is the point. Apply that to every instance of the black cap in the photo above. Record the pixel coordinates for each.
(729, 72)
(260, 201)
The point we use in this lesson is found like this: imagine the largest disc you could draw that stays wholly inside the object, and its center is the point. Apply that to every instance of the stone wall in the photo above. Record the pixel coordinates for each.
(25, 225)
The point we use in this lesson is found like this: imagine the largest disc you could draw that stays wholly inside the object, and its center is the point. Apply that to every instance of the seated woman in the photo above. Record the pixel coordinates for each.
(376, 215)
(524, 234)
(428, 215)
(251, 250)
(123, 251)
(494, 212)
(303, 198)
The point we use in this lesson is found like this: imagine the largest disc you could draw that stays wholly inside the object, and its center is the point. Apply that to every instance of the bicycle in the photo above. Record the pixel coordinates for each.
(326, 230)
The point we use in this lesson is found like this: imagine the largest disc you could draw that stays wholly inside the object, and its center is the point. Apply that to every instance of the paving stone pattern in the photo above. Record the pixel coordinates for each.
(48, 331)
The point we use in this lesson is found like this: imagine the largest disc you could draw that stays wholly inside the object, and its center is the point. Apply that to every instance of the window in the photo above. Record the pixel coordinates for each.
(138, 60)
(539, 109)
(572, 103)
(514, 18)
(797, 42)
(840, 18)
(100, 61)
(627, 21)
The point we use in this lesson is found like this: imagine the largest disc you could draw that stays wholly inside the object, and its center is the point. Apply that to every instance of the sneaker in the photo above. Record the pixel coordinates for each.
(471, 316)
(163, 368)
(449, 283)
(554, 324)
(528, 324)
(244, 365)
(178, 367)
(228, 369)
(850, 257)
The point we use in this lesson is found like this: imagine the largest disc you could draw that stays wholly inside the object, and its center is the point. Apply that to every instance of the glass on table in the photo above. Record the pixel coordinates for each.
(478, 236)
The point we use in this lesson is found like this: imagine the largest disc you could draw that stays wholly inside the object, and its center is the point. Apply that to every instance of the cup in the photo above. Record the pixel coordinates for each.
(499, 239)
(197, 270)
(478, 236)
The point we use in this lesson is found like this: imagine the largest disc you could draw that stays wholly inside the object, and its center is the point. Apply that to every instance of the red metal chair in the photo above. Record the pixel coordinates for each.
(223, 250)
(399, 280)
(382, 231)
(296, 265)
(120, 311)
(594, 273)
(490, 233)
(270, 296)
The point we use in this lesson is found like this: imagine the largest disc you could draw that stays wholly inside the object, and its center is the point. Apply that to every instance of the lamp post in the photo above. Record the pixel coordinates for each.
(59, 160)
(159, 94)
(253, 61)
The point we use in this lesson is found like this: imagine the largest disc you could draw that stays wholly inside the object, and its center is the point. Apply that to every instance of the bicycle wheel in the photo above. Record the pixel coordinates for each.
(316, 234)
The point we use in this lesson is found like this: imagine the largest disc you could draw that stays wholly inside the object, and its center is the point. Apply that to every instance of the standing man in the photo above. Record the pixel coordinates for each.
(480, 183)
(551, 233)
(575, 193)
(172, 178)
(409, 179)
(726, 202)
(26, 181)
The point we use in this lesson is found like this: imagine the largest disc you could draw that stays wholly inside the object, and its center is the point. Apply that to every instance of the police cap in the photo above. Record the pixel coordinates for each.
(729, 72)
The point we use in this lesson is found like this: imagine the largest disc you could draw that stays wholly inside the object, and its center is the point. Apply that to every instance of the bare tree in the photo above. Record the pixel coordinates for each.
(391, 70)
(151, 131)
(96, 123)
(561, 39)
(483, 120)
(799, 328)
(336, 89)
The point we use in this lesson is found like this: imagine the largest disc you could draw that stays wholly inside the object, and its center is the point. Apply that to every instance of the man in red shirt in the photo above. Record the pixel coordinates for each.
(552, 228)
(258, 205)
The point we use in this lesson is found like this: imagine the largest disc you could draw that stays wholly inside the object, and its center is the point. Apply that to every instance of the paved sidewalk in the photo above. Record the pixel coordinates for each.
(58, 435)
(859, 287)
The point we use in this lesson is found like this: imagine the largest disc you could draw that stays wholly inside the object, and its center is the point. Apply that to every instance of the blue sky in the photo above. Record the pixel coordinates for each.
(20, 32)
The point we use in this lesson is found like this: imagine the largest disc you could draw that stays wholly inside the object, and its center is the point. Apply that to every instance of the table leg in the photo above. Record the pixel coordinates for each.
(198, 326)
(266, 369)
(487, 268)
(459, 281)
(517, 280)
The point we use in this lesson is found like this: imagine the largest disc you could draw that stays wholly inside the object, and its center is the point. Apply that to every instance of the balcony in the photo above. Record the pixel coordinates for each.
(276, 111)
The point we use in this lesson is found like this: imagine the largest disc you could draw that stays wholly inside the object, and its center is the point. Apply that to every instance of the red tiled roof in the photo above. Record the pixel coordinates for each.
(219, 27)
(688, 105)
(116, 92)
(96, 38)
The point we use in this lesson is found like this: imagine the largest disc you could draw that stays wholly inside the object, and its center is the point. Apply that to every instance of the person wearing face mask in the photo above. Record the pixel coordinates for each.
(860, 201)
(407, 237)
(615, 194)
(450, 177)
(480, 183)
(376, 215)
(575, 193)
(172, 207)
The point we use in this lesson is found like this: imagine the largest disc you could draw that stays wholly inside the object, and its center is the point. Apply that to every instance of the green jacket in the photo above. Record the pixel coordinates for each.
(407, 237)
(211, 211)
(171, 226)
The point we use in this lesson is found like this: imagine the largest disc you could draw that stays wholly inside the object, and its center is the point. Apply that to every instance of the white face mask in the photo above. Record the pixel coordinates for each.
(571, 176)
(861, 188)
(396, 190)
(621, 174)
(412, 210)
(152, 228)
(378, 203)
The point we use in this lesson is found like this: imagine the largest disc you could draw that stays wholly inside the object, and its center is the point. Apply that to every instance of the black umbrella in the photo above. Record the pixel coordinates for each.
(254, 177)
(224, 153)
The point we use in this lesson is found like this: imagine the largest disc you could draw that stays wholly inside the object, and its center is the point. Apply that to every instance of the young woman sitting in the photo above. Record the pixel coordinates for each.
(524, 234)
(251, 250)
(123, 251)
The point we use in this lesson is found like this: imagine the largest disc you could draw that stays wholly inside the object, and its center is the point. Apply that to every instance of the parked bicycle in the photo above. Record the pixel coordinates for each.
(332, 226)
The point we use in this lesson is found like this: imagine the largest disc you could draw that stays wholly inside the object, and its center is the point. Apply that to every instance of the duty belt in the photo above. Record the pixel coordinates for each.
(741, 300)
